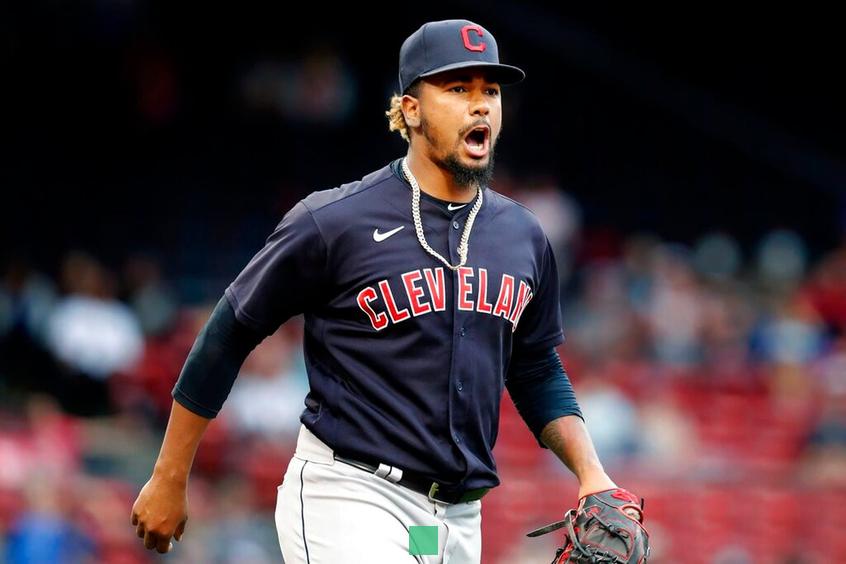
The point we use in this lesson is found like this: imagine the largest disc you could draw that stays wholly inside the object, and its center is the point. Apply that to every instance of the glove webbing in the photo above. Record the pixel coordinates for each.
(596, 556)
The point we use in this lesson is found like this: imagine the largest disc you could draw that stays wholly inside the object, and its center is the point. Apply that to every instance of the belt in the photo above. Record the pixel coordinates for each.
(416, 482)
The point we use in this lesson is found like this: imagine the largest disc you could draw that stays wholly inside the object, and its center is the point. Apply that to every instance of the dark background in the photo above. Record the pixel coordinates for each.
(126, 128)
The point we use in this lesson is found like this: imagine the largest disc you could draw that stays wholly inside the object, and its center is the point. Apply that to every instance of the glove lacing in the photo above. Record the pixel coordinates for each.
(595, 555)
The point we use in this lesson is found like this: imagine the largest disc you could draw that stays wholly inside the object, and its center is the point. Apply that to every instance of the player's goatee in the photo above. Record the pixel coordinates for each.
(470, 176)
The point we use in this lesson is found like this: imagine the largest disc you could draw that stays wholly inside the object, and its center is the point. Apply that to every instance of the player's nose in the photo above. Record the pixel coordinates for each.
(479, 105)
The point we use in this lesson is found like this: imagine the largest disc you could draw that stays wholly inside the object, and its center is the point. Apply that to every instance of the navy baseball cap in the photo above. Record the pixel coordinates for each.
(451, 44)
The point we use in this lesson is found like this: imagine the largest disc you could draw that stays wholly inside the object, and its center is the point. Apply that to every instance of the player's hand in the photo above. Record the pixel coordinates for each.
(602, 483)
(160, 513)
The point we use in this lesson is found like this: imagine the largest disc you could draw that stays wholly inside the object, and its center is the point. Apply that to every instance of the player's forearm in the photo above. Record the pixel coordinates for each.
(568, 438)
(183, 434)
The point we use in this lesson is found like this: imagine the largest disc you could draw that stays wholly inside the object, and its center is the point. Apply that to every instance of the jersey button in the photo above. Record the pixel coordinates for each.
(456, 437)
(455, 225)
(460, 386)
(462, 332)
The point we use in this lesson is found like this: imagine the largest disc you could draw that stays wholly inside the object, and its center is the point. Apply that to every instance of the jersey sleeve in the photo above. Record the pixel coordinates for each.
(540, 324)
(285, 278)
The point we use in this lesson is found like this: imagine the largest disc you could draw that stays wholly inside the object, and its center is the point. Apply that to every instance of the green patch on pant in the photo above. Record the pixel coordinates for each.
(423, 541)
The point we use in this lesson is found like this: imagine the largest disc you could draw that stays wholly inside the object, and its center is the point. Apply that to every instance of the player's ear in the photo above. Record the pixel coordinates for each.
(411, 110)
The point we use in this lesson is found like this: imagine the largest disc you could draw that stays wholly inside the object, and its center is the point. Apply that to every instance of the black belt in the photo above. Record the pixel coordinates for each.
(419, 483)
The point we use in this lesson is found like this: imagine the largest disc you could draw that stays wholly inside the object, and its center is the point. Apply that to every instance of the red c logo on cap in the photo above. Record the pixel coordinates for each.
(465, 35)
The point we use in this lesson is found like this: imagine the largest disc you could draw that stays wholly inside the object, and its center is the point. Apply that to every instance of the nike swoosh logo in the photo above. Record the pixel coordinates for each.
(449, 207)
(379, 237)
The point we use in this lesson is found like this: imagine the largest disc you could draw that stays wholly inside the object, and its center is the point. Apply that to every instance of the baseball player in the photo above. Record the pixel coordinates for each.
(425, 293)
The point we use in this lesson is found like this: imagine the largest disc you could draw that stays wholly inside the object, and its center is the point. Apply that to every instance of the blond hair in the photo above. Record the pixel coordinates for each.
(396, 119)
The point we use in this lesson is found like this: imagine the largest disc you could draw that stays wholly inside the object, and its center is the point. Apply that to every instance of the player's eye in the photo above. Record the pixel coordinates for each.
(493, 91)
(458, 89)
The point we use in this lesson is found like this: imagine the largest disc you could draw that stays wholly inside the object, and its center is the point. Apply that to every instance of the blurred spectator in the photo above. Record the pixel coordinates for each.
(560, 217)
(667, 438)
(791, 334)
(26, 299)
(90, 330)
(600, 324)
(153, 301)
(54, 438)
(824, 462)
(267, 397)
(639, 252)
(611, 419)
(100, 510)
(727, 318)
(44, 533)
(40, 440)
(781, 260)
(717, 256)
(824, 459)
(826, 289)
(831, 369)
(92, 334)
(241, 535)
(146, 388)
(675, 311)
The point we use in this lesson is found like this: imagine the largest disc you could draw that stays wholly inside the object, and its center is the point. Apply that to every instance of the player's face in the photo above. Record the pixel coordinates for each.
(460, 121)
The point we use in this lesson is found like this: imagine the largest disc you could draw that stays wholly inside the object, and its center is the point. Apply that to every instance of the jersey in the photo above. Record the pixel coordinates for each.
(406, 358)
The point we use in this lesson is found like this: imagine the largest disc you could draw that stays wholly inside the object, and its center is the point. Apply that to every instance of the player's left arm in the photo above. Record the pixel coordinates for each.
(568, 438)
(544, 397)
(541, 389)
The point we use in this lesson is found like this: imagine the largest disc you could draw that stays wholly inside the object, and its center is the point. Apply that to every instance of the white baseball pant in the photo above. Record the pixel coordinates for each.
(329, 512)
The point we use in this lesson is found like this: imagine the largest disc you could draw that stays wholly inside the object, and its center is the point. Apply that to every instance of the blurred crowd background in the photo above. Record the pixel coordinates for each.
(690, 176)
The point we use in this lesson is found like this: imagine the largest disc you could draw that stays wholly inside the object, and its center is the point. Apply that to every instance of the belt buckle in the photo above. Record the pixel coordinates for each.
(433, 489)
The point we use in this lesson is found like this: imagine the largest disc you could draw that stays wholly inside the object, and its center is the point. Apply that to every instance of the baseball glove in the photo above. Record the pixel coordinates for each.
(606, 527)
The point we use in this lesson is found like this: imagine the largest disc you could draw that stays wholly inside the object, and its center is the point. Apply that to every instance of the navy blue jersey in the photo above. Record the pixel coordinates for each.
(406, 358)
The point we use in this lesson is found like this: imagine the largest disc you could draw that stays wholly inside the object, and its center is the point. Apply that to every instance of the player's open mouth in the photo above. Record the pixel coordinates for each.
(477, 142)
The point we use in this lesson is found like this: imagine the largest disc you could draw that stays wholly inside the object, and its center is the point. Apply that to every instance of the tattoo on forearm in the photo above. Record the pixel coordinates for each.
(551, 437)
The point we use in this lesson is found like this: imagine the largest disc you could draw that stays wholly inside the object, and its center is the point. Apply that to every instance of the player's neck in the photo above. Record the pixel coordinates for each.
(438, 182)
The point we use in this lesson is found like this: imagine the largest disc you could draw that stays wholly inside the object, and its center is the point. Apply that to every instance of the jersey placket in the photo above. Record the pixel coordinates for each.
(457, 417)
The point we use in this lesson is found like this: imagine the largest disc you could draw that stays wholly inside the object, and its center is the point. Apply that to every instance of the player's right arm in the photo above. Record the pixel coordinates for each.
(283, 279)
(161, 510)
